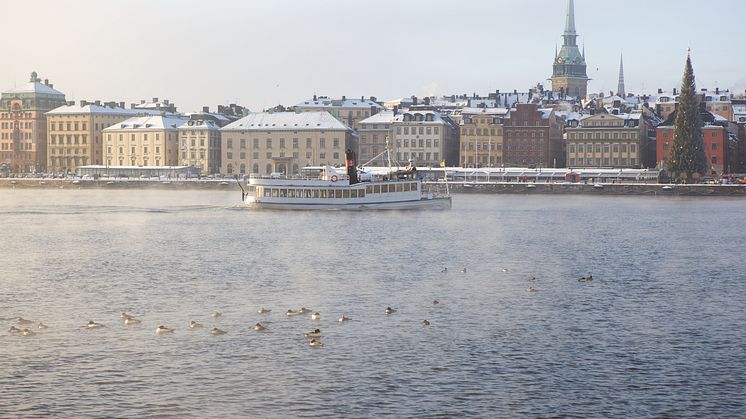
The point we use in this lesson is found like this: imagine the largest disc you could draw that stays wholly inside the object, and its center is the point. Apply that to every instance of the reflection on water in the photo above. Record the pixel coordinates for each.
(655, 333)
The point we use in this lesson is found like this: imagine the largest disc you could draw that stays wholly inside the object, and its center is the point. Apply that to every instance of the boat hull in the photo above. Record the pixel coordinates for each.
(443, 203)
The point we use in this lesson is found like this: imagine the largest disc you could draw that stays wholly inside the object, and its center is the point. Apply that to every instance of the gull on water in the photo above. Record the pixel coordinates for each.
(389, 310)
(93, 325)
(163, 329)
(42, 326)
(263, 311)
(315, 334)
(588, 278)
(344, 318)
(26, 332)
(195, 325)
(315, 343)
(131, 320)
(21, 320)
(425, 322)
(216, 314)
(316, 316)
(215, 331)
(258, 327)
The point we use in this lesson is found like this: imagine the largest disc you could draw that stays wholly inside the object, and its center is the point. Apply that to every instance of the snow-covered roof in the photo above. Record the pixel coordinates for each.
(284, 121)
(35, 87)
(382, 117)
(91, 108)
(148, 123)
(484, 111)
(199, 124)
(323, 102)
(421, 116)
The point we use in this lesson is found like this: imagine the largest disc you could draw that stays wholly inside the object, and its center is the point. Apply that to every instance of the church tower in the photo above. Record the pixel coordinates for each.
(569, 75)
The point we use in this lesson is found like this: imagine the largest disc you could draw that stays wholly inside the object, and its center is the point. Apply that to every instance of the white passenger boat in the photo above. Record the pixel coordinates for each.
(340, 189)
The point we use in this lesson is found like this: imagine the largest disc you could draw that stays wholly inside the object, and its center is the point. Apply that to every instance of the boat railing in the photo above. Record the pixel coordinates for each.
(296, 177)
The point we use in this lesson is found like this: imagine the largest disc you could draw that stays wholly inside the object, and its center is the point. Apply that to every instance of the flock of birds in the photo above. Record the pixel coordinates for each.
(313, 337)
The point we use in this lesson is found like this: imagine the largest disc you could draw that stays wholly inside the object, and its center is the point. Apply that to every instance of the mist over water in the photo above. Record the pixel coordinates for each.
(657, 333)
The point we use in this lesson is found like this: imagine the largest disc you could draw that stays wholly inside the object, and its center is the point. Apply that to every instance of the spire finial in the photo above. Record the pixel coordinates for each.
(620, 86)
(570, 19)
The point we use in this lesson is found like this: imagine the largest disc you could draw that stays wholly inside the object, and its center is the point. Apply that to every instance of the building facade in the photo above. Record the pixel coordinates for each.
(373, 132)
(283, 142)
(607, 140)
(75, 134)
(714, 134)
(348, 111)
(481, 137)
(425, 136)
(199, 145)
(143, 141)
(569, 74)
(23, 125)
(532, 137)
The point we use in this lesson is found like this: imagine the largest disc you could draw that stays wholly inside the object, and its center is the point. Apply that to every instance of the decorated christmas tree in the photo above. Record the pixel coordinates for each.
(687, 160)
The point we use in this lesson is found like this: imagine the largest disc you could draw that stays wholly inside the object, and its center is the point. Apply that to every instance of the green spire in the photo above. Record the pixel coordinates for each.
(687, 159)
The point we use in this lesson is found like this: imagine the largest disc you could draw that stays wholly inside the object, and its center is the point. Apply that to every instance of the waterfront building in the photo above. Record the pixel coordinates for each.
(348, 111)
(199, 144)
(717, 101)
(425, 136)
(23, 124)
(569, 76)
(75, 133)
(532, 137)
(714, 133)
(373, 132)
(143, 141)
(609, 140)
(284, 142)
(481, 137)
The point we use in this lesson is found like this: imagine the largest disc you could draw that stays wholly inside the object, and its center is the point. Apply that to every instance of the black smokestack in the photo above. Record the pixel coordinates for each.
(351, 166)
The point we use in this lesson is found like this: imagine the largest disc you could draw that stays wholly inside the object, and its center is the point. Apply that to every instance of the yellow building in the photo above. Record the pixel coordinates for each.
(348, 111)
(606, 140)
(481, 137)
(74, 134)
(199, 145)
(143, 141)
(283, 142)
(23, 126)
(425, 136)
(372, 135)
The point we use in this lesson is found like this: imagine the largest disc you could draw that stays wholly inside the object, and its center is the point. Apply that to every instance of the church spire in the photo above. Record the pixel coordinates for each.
(620, 86)
(570, 35)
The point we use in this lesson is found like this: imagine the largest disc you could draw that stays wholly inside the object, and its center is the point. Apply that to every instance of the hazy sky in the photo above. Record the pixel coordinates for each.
(260, 53)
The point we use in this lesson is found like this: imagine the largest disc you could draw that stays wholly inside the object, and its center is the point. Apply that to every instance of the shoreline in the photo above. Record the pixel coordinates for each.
(642, 189)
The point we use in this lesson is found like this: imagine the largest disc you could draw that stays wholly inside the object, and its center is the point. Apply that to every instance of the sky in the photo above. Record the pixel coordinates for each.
(261, 53)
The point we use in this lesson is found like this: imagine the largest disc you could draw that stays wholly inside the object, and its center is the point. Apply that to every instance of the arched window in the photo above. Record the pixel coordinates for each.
(229, 169)
(243, 169)
(255, 168)
(269, 168)
(296, 169)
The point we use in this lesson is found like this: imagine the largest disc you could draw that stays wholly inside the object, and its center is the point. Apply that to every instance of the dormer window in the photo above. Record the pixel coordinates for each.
(708, 98)
(723, 98)
(664, 99)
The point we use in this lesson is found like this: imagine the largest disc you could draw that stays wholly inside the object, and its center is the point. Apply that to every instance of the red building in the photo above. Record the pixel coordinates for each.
(714, 134)
(532, 137)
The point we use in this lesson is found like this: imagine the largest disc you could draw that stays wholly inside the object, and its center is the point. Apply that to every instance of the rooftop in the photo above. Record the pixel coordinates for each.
(148, 123)
(91, 108)
(286, 121)
(326, 102)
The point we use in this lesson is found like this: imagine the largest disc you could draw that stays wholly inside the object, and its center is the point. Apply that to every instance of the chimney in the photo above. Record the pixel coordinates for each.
(717, 90)
(660, 91)
(414, 100)
(97, 102)
(46, 82)
(83, 103)
(674, 91)
(515, 92)
(314, 97)
(155, 100)
(344, 97)
(396, 110)
(142, 101)
(206, 109)
(373, 98)
(70, 103)
(165, 101)
(362, 98)
(133, 105)
(51, 86)
(121, 105)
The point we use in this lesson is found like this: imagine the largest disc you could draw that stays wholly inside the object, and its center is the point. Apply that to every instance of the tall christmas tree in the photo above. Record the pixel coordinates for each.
(687, 159)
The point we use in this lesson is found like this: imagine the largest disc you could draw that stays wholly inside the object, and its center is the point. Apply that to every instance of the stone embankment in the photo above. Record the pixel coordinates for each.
(650, 189)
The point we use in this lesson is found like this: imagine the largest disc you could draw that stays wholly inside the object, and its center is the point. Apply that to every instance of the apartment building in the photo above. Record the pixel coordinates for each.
(348, 111)
(608, 140)
(143, 141)
(481, 137)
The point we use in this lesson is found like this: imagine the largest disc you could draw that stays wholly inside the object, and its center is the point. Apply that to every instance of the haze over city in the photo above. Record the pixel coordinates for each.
(259, 54)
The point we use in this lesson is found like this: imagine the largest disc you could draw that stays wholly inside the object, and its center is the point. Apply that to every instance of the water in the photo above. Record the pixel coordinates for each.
(659, 332)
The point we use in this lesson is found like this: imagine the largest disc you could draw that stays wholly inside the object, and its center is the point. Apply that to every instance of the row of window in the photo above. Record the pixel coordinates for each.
(419, 156)
(336, 192)
(421, 143)
(418, 130)
(281, 142)
(269, 155)
(481, 132)
(606, 161)
(144, 151)
(68, 139)
(144, 138)
(481, 146)
(16, 124)
(64, 151)
(24, 146)
(713, 146)
(614, 148)
(602, 135)
(23, 135)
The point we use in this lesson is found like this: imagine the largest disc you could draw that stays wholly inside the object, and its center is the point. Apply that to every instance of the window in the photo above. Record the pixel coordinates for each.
(243, 143)
(269, 143)
(714, 146)
(714, 160)
(255, 144)
(295, 143)
(282, 143)
(229, 143)
(308, 143)
(322, 142)
(336, 142)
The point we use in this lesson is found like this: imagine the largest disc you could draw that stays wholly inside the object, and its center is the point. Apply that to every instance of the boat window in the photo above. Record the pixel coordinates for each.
(346, 193)
(283, 193)
(323, 193)
(330, 193)
(338, 193)
(291, 193)
(377, 189)
(315, 193)
(309, 193)
(369, 188)
(384, 188)
(361, 193)
(399, 187)
(353, 193)
(274, 193)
